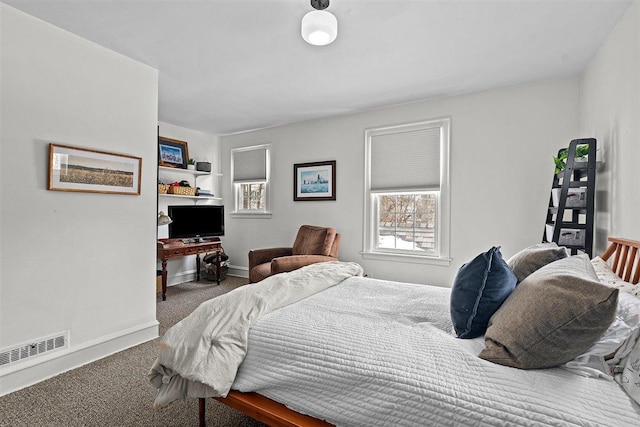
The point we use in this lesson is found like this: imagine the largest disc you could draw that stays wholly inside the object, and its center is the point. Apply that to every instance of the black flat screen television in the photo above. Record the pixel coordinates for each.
(196, 221)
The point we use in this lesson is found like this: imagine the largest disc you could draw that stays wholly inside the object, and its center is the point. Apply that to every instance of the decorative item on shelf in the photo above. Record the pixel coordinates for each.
(162, 188)
(172, 153)
(203, 166)
(182, 191)
(204, 193)
(181, 188)
(191, 165)
(164, 219)
(582, 151)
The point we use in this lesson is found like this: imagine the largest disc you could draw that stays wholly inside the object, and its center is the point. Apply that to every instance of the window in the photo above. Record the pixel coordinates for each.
(251, 197)
(407, 192)
(406, 221)
(250, 171)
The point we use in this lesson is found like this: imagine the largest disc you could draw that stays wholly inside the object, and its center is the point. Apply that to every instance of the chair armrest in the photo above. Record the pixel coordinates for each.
(290, 263)
(260, 256)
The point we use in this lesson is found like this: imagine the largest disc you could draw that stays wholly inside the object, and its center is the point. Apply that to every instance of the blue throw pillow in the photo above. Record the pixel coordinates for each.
(479, 289)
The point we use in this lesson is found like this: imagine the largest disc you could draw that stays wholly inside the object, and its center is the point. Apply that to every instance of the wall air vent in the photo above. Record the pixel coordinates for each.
(35, 348)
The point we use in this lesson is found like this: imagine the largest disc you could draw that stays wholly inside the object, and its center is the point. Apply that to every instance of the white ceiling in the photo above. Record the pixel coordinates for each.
(228, 66)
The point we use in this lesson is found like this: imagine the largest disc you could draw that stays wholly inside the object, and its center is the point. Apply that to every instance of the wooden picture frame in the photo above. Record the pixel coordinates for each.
(172, 153)
(314, 181)
(93, 171)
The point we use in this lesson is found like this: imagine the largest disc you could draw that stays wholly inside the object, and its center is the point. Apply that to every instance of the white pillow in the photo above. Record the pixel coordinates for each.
(609, 278)
(615, 344)
(629, 376)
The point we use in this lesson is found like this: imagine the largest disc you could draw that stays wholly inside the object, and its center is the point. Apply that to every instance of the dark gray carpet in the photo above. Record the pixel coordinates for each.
(114, 391)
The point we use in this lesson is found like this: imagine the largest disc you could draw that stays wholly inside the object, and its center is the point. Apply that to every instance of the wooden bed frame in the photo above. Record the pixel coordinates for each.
(625, 264)
(625, 258)
(264, 410)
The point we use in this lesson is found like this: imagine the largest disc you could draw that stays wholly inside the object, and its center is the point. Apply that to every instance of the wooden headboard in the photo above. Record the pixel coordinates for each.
(625, 258)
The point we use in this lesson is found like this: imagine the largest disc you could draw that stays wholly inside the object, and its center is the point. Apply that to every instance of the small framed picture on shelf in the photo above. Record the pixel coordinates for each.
(172, 153)
(93, 171)
(314, 181)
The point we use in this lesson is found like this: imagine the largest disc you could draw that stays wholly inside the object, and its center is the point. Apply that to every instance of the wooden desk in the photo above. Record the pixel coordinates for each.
(176, 248)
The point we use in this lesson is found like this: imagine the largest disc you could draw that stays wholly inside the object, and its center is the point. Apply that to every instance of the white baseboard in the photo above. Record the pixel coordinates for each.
(182, 277)
(190, 275)
(29, 372)
(238, 271)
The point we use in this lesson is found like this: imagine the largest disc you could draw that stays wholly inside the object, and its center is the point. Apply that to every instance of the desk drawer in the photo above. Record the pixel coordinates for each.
(180, 251)
(210, 247)
(175, 252)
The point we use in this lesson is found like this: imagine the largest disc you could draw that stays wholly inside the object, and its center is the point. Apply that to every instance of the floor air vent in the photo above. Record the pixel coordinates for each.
(29, 350)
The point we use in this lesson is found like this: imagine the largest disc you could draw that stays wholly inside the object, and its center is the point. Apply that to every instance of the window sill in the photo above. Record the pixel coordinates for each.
(432, 260)
(265, 215)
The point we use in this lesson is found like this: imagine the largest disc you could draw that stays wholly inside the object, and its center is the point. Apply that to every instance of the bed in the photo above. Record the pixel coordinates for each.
(391, 359)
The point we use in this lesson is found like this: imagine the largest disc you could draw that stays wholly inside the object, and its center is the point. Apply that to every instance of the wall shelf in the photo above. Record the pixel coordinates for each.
(167, 171)
(178, 196)
(573, 193)
(194, 173)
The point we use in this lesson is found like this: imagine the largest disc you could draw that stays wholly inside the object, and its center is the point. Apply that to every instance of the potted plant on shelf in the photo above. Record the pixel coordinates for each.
(561, 161)
(191, 164)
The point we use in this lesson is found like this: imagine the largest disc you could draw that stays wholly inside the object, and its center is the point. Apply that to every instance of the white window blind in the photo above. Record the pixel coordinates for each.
(250, 165)
(407, 159)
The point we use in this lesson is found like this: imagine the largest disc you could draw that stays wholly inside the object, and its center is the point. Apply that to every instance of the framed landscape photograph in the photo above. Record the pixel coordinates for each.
(93, 171)
(172, 153)
(314, 181)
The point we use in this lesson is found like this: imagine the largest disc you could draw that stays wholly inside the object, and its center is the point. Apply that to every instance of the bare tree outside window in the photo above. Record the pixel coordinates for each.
(252, 196)
(407, 221)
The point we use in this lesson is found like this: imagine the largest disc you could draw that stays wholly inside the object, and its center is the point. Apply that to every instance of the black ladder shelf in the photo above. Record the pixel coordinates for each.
(570, 217)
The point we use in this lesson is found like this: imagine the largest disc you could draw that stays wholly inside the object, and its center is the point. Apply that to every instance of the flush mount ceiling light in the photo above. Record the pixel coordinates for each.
(319, 27)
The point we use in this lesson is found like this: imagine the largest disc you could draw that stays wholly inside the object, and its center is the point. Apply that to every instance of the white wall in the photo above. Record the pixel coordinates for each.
(502, 142)
(610, 112)
(202, 147)
(76, 262)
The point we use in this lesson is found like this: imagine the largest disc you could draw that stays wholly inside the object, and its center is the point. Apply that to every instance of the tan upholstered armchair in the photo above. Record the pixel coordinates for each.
(313, 244)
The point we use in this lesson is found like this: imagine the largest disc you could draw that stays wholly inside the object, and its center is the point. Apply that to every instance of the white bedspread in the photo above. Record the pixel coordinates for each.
(375, 353)
(200, 355)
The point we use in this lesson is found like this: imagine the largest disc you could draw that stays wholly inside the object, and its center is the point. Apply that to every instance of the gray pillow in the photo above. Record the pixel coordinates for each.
(532, 258)
(553, 316)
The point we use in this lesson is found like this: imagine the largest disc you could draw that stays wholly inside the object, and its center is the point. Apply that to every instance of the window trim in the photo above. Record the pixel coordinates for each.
(235, 186)
(443, 213)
